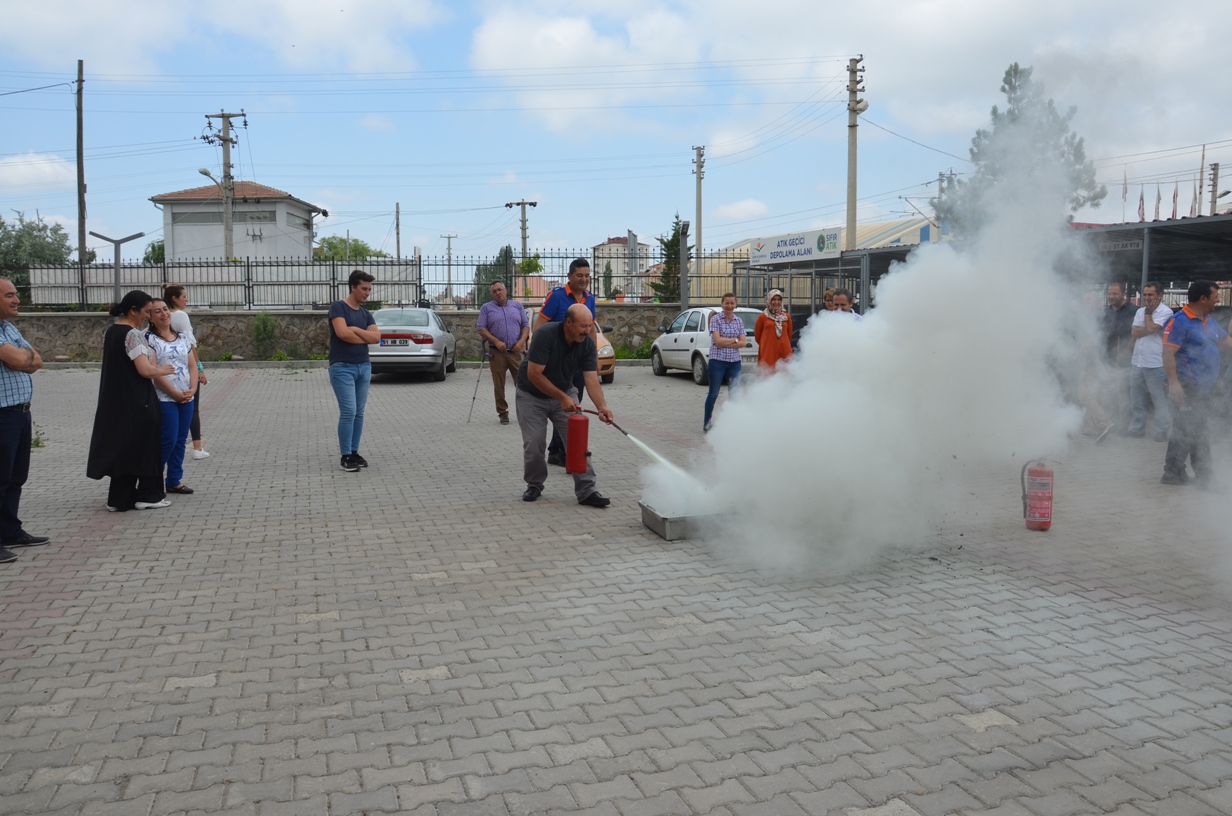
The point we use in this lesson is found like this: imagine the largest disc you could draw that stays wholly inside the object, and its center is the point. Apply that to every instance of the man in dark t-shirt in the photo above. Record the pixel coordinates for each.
(351, 329)
(545, 394)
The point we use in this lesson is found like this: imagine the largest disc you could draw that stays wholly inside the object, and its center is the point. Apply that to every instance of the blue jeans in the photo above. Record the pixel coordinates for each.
(176, 419)
(350, 382)
(720, 370)
(1141, 382)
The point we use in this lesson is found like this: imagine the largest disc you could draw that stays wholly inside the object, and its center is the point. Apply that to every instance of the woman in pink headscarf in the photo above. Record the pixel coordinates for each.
(773, 332)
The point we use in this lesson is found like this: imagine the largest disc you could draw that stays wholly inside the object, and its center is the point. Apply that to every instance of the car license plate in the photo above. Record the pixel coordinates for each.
(748, 358)
(395, 341)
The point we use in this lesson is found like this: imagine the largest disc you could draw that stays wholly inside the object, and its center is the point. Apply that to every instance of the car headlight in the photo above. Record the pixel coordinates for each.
(606, 350)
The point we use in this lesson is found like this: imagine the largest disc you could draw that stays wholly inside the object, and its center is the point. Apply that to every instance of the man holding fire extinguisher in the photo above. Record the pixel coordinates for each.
(557, 353)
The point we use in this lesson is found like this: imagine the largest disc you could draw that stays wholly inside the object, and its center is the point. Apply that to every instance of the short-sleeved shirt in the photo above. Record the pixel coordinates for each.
(173, 353)
(560, 299)
(341, 351)
(16, 387)
(505, 323)
(181, 323)
(135, 345)
(726, 328)
(560, 359)
(1149, 349)
(1197, 349)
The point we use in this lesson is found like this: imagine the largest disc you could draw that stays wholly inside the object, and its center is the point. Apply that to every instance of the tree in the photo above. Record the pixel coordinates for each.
(531, 266)
(155, 252)
(336, 248)
(607, 279)
(667, 287)
(501, 269)
(24, 242)
(1030, 141)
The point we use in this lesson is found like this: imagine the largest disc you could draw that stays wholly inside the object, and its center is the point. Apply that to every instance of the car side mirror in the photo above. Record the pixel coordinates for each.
(665, 329)
(606, 329)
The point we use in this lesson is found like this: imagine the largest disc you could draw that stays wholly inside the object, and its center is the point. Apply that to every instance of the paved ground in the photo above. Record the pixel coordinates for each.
(415, 639)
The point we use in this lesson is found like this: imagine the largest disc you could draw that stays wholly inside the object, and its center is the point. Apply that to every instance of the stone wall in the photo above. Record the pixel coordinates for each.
(79, 335)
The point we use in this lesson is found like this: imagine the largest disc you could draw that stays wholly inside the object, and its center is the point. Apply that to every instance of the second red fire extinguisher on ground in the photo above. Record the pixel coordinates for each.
(1037, 495)
(577, 442)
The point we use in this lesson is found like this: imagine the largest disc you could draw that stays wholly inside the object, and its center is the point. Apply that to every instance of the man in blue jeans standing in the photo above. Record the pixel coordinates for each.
(351, 329)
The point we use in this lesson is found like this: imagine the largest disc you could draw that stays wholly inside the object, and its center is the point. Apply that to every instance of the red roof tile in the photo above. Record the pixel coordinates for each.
(244, 191)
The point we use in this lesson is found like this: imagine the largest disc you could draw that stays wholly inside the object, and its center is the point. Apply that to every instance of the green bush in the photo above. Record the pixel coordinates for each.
(264, 335)
(224, 357)
(280, 356)
(626, 352)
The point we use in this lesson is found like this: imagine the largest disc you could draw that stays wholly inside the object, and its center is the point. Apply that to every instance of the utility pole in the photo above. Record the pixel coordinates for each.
(1201, 178)
(855, 106)
(449, 263)
(116, 242)
(1214, 187)
(81, 182)
(397, 231)
(523, 204)
(228, 181)
(699, 169)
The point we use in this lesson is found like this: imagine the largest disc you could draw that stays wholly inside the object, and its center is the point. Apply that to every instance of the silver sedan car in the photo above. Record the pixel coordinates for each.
(413, 339)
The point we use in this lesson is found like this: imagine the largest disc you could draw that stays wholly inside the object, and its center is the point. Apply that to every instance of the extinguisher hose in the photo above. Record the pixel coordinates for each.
(1023, 479)
(596, 413)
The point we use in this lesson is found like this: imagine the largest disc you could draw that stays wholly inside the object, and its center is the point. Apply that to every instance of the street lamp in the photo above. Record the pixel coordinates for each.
(228, 239)
(116, 242)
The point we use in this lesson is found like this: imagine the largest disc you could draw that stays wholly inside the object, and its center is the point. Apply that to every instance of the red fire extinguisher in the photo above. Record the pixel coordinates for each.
(1037, 495)
(576, 443)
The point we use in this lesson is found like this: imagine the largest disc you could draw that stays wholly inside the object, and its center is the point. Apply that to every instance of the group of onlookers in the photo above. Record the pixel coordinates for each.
(1171, 362)
(147, 401)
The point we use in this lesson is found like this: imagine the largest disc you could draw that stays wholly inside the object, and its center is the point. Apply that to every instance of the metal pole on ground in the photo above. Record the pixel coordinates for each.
(482, 358)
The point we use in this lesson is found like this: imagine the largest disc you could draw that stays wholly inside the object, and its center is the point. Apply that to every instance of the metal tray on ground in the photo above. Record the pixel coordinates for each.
(671, 528)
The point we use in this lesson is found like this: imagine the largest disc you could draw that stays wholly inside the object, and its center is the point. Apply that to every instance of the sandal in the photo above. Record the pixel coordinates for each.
(182, 489)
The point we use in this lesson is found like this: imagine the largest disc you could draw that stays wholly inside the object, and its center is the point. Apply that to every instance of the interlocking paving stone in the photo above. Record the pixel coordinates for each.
(415, 639)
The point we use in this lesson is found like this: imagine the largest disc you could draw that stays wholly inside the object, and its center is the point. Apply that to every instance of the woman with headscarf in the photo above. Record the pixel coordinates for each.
(126, 444)
(773, 332)
(177, 300)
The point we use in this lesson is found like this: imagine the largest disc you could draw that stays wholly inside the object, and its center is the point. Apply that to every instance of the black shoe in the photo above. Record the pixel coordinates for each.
(556, 459)
(349, 464)
(504, 420)
(1174, 479)
(359, 460)
(595, 499)
(6, 556)
(531, 493)
(24, 540)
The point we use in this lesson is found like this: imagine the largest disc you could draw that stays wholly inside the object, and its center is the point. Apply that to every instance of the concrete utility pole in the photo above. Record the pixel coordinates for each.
(449, 265)
(523, 204)
(699, 169)
(855, 106)
(1214, 186)
(397, 231)
(228, 181)
(631, 255)
(116, 242)
(81, 182)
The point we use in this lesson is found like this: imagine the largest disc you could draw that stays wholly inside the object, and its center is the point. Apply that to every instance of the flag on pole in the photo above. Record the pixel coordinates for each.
(1176, 193)
(1142, 203)
(1158, 200)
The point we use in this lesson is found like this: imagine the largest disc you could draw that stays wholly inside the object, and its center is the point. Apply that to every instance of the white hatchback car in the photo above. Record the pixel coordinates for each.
(685, 344)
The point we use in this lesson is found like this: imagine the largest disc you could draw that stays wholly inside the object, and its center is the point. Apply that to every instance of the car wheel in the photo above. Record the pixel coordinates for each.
(439, 374)
(656, 364)
(701, 375)
(606, 379)
(453, 364)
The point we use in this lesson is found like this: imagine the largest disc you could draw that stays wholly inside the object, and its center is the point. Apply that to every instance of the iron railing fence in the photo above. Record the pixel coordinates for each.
(444, 282)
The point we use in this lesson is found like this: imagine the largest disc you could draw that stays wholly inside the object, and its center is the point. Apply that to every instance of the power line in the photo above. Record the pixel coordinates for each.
(914, 142)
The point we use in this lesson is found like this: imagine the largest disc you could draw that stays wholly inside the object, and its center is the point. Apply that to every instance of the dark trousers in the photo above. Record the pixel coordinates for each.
(126, 490)
(557, 446)
(15, 435)
(195, 427)
(1191, 437)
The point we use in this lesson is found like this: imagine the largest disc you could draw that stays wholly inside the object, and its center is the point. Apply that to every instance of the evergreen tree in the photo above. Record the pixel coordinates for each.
(667, 287)
(1030, 141)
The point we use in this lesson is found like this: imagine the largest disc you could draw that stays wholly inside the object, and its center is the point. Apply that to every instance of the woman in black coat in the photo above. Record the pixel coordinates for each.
(126, 444)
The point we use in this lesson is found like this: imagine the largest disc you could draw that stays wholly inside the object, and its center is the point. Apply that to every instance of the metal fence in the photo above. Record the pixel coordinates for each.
(457, 282)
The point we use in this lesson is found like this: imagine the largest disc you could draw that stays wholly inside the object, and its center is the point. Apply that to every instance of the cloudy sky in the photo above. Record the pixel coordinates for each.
(589, 108)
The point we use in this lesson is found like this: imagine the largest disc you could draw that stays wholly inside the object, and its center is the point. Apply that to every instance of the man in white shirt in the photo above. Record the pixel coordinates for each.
(843, 304)
(1147, 365)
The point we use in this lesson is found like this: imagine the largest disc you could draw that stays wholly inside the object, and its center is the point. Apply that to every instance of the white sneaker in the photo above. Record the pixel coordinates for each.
(111, 509)
(152, 505)
(200, 454)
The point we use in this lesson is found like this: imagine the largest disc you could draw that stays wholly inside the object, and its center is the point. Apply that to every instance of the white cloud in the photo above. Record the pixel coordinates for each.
(377, 122)
(37, 172)
(744, 210)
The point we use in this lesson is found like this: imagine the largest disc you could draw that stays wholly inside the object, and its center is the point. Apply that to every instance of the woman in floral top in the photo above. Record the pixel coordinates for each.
(175, 391)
